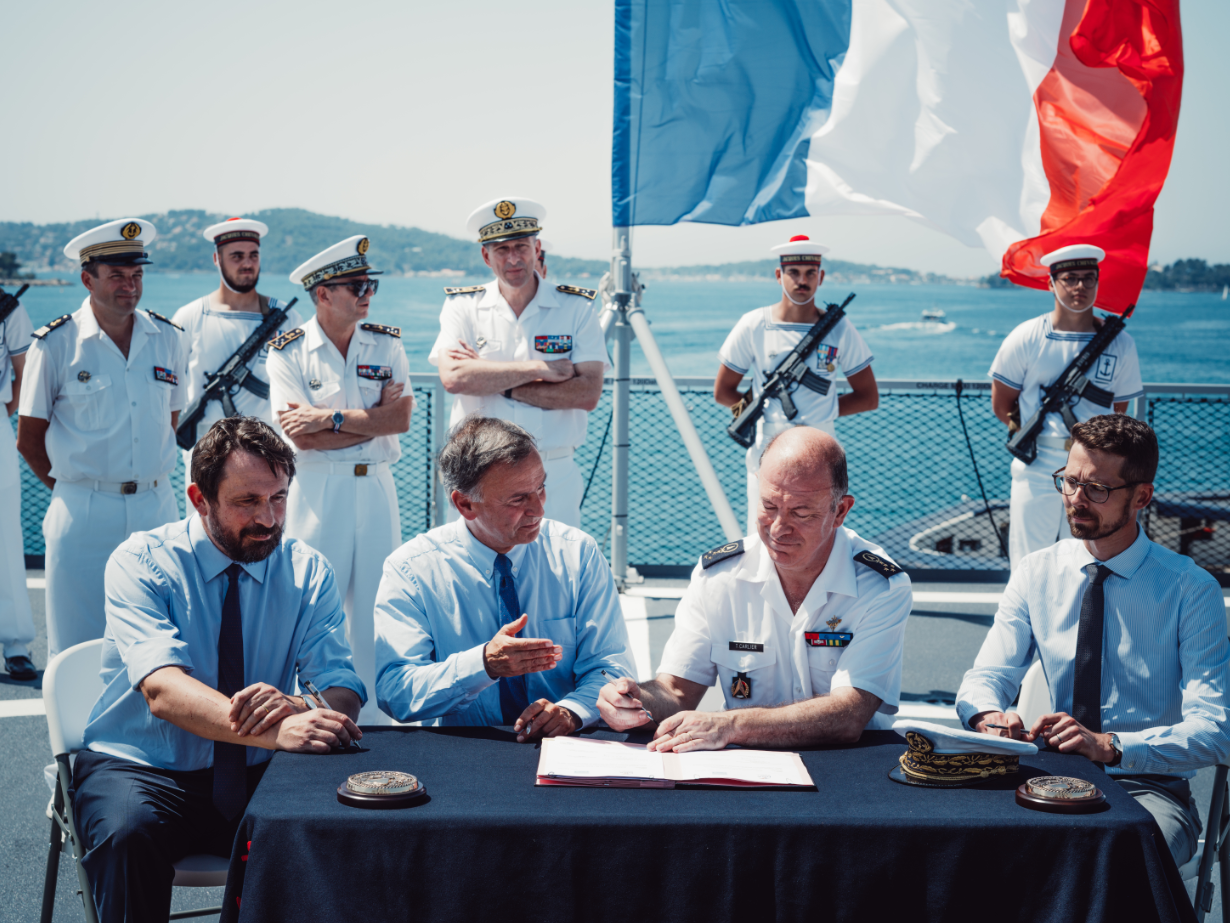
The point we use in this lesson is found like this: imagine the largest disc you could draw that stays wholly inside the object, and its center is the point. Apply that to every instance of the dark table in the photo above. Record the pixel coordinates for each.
(489, 845)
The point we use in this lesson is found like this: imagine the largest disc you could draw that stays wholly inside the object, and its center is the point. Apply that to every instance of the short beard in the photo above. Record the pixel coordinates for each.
(234, 547)
(1093, 533)
(235, 286)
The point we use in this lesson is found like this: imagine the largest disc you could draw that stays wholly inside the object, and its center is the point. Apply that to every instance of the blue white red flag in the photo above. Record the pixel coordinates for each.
(1020, 126)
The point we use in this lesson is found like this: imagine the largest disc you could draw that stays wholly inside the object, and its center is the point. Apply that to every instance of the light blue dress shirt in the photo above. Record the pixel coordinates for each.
(438, 606)
(164, 608)
(1164, 652)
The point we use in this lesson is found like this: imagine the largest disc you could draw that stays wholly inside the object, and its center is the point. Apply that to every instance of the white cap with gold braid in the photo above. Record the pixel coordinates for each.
(506, 219)
(118, 243)
(349, 258)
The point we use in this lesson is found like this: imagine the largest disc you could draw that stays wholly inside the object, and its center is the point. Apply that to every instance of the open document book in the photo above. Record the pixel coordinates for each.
(612, 764)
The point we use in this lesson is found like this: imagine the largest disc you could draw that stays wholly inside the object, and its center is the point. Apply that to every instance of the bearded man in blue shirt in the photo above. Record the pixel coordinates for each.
(208, 621)
(1131, 635)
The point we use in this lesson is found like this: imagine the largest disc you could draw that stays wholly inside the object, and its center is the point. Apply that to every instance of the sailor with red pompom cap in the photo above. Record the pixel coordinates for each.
(763, 337)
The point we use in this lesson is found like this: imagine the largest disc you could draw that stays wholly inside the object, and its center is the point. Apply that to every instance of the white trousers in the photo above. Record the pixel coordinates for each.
(354, 522)
(565, 487)
(1036, 516)
(81, 529)
(16, 616)
(764, 433)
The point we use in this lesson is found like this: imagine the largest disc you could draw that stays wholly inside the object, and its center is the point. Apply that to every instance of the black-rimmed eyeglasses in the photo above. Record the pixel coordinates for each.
(1097, 493)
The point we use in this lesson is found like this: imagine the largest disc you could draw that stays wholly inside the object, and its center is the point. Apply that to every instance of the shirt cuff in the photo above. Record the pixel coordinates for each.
(734, 368)
(1135, 752)
(858, 368)
(341, 679)
(587, 715)
(154, 654)
(472, 671)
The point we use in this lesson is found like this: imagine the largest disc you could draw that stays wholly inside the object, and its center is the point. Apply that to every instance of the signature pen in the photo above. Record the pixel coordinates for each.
(323, 703)
(612, 679)
(1004, 727)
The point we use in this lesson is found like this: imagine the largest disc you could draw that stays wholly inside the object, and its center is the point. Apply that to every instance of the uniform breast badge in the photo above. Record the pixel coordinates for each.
(161, 374)
(83, 376)
(314, 384)
(741, 687)
(560, 343)
(828, 356)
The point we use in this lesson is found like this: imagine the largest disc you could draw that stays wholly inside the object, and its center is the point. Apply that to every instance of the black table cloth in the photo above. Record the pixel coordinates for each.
(489, 845)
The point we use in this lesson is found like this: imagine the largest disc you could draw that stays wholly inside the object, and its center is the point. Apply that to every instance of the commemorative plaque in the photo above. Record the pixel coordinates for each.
(1060, 795)
(381, 790)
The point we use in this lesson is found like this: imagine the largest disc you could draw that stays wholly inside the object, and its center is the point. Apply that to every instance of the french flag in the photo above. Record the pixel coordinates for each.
(1021, 126)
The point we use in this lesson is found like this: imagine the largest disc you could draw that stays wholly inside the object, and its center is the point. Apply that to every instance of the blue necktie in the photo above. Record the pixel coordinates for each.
(513, 697)
(230, 760)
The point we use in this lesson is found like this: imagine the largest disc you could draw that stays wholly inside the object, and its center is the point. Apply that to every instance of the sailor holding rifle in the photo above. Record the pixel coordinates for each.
(1031, 359)
(522, 350)
(338, 388)
(219, 325)
(100, 400)
(764, 338)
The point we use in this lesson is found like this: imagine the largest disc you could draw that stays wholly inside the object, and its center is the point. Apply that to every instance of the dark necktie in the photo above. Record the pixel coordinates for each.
(1087, 687)
(230, 760)
(513, 697)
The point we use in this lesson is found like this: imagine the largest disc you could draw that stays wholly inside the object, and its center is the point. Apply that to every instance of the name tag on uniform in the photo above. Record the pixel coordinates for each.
(746, 646)
(165, 375)
(828, 638)
(553, 344)
(376, 372)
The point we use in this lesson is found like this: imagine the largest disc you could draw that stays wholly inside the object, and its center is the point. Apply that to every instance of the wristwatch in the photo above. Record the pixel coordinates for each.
(1118, 748)
(337, 421)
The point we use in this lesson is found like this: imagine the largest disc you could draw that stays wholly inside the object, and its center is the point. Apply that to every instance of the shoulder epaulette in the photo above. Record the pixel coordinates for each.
(58, 322)
(882, 566)
(463, 289)
(165, 320)
(283, 339)
(381, 328)
(721, 553)
(573, 290)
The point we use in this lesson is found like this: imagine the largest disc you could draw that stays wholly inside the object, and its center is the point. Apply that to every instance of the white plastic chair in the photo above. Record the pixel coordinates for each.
(71, 686)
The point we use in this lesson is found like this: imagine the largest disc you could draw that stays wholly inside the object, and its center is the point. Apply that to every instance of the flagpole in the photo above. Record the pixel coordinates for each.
(621, 277)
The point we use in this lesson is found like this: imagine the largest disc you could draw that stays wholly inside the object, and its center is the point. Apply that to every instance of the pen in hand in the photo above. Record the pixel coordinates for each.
(1004, 727)
(323, 703)
(611, 679)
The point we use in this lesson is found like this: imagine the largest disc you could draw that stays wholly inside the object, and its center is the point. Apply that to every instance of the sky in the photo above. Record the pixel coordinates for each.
(414, 113)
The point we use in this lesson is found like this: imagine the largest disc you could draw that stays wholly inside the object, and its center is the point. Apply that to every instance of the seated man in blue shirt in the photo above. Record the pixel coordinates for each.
(455, 602)
(208, 619)
(1132, 637)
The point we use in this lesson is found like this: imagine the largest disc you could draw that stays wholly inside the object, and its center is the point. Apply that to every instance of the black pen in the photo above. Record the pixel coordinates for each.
(1004, 727)
(611, 679)
(321, 701)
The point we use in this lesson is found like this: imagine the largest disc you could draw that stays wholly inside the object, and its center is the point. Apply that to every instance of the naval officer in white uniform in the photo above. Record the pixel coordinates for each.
(802, 624)
(338, 388)
(524, 351)
(1031, 358)
(762, 338)
(16, 617)
(100, 398)
(217, 325)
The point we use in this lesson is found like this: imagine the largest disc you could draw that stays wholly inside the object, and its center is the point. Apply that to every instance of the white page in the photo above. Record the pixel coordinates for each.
(763, 767)
(586, 758)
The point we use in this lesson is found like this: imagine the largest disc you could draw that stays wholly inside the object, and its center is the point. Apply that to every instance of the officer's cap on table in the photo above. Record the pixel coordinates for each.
(506, 219)
(800, 249)
(233, 229)
(349, 258)
(1076, 256)
(116, 243)
(950, 756)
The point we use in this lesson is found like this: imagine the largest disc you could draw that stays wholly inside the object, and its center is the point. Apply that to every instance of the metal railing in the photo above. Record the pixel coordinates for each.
(910, 473)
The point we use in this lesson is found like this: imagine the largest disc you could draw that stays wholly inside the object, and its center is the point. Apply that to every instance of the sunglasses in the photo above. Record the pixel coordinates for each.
(358, 288)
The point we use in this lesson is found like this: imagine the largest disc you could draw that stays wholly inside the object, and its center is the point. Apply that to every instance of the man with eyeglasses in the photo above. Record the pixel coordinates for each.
(1029, 360)
(1131, 636)
(338, 388)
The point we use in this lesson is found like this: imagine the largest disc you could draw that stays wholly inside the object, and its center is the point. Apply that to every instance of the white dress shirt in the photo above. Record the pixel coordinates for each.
(311, 371)
(1164, 651)
(734, 618)
(110, 416)
(554, 325)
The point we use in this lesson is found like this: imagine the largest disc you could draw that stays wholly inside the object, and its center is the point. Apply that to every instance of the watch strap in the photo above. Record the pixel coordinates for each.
(508, 393)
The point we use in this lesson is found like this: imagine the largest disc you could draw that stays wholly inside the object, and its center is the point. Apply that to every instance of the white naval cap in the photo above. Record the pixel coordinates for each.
(232, 229)
(800, 249)
(505, 219)
(349, 258)
(118, 243)
(1076, 256)
(949, 756)
(956, 740)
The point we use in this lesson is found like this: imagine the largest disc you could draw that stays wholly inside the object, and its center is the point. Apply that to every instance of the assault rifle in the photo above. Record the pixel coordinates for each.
(791, 372)
(9, 303)
(233, 375)
(1072, 385)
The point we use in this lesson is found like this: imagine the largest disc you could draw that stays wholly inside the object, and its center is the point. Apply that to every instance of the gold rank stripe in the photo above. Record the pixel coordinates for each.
(111, 248)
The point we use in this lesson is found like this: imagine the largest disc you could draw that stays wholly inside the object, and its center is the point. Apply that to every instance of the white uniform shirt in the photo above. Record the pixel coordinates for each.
(1033, 356)
(310, 370)
(734, 619)
(554, 325)
(758, 343)
(110, 416)
(15, 340)
(212, 336)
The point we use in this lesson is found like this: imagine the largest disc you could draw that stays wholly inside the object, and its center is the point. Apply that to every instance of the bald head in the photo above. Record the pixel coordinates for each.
(805, 456)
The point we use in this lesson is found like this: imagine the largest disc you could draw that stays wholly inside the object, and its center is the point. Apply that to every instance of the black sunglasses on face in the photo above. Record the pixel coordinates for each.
(358, 288)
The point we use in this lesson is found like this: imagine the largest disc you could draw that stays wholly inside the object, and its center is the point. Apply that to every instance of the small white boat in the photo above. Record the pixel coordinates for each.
(934, 316)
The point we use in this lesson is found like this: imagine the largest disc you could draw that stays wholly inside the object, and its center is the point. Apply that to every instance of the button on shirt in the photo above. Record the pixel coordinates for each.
(1033, 356)
(1164, 652)
(741, 600)
(212, 336)
(310, 370)
(554, 325)
(758, 343)
(438, 605)
(164, 608)
(110, 416)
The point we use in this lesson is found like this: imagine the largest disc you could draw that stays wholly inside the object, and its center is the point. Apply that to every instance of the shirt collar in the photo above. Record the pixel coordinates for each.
(211, 560)
(483, 556)
(313, 336)
(838, 576)
(143, 326)
(543, 298)
(1126, 562)
(87, 323)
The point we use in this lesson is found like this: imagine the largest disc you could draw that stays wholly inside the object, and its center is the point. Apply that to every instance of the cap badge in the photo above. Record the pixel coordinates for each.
(83, 376)
(505, 209)
(363, 245)
(130, 230)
